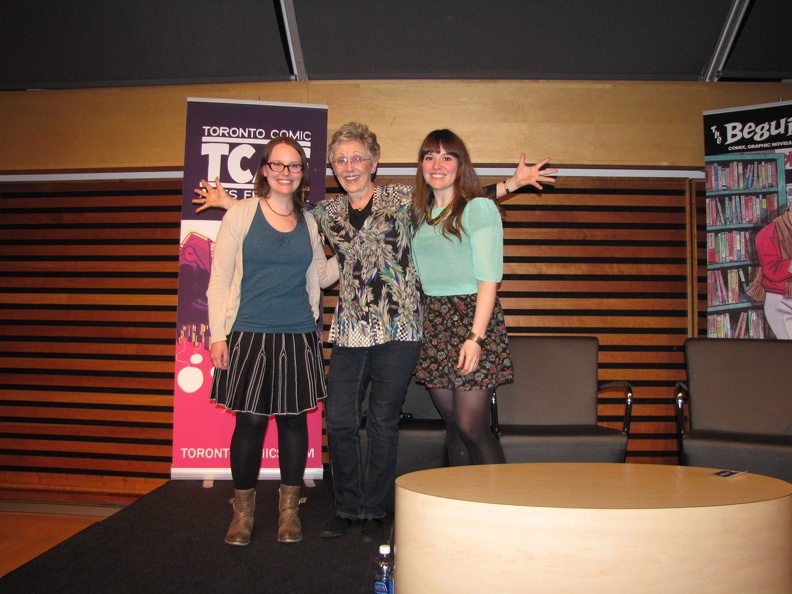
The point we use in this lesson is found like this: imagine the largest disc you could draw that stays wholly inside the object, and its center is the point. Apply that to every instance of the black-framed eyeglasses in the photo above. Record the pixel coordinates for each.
(292, 167)
(355, 161)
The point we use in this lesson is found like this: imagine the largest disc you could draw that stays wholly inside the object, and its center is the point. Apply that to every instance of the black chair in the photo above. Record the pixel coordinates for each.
(549, 413)
(738, 400)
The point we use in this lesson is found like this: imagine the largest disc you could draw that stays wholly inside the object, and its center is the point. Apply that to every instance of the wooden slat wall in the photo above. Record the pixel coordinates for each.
(89, 289)
(607, 257)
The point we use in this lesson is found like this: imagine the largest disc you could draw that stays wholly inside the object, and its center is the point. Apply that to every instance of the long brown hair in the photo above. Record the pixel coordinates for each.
(261, 187)
(466, 186)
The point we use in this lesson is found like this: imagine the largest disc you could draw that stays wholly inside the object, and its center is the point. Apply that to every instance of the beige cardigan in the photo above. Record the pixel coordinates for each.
(225, 282)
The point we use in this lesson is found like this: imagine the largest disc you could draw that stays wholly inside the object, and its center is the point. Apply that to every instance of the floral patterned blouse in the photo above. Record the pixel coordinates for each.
(379, 296)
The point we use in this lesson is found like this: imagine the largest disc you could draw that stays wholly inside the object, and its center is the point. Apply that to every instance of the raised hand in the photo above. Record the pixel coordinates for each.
(532, 175)
(212, 197)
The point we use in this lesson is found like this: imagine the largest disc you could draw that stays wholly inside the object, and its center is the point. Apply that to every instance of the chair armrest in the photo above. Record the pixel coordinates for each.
(681, 398)
(628, 400)
(494, 426)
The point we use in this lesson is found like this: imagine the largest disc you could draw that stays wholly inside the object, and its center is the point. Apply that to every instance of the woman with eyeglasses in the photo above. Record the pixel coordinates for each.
(265, 347)
(376, 330)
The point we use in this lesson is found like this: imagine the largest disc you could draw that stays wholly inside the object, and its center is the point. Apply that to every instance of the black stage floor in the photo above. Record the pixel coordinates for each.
(171, 540)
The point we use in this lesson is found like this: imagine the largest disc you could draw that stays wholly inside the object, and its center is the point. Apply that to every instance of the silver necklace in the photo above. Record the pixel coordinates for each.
(290, 213)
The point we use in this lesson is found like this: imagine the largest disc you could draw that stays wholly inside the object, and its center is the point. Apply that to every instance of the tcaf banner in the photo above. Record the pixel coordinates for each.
(224, 139)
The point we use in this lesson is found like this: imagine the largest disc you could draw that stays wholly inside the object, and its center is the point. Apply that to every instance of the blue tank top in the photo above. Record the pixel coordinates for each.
(274, 298)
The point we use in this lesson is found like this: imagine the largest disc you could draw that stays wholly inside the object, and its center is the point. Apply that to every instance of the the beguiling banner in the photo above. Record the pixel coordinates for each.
(748, 174)
(224, 139)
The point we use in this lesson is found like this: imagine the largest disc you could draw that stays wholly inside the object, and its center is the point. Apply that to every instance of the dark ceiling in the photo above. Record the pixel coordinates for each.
(100, 43)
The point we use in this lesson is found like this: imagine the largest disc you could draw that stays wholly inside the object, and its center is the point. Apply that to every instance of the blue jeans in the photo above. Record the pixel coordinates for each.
(361, 487)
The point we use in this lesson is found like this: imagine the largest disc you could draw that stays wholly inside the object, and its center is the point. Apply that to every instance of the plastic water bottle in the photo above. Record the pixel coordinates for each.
(383, 571)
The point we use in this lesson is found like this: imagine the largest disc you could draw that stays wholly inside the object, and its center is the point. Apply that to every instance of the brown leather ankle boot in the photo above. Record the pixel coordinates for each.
(242, 523)
(289, 527)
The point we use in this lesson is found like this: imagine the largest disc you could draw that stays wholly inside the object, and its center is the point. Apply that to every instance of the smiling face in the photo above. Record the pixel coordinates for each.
(440, 170)
(355, 178)
(282, 182)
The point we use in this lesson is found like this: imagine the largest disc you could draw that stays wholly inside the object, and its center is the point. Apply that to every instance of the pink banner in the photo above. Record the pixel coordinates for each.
(223, 139)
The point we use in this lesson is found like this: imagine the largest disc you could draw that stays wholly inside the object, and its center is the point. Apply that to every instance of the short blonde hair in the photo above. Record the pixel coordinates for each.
(354, 131)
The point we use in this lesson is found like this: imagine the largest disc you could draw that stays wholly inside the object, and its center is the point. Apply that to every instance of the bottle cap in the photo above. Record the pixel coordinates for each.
(384, 549)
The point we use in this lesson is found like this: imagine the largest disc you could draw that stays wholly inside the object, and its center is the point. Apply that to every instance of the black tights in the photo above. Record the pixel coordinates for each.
(247, 445)
(468, 426)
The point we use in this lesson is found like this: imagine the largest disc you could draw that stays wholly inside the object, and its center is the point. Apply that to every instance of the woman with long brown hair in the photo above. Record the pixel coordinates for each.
(458, 252)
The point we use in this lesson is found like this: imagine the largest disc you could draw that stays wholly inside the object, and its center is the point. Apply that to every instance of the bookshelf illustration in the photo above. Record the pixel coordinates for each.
(744, 193)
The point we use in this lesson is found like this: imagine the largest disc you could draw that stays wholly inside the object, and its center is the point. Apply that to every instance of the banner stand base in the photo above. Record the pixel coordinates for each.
(224, 474)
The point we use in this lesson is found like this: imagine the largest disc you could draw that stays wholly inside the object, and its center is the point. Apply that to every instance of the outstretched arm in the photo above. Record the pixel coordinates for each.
(212, 197)
(526, 175)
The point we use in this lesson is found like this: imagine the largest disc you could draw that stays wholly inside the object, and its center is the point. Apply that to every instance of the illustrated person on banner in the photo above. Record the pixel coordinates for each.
(195, 257)
(377, 326)
(774, 281)
(263, 324)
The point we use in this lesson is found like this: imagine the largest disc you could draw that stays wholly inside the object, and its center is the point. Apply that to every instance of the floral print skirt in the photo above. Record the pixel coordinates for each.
(446, 323)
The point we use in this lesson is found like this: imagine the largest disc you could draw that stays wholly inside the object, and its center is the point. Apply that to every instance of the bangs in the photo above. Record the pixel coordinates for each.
(443, 140)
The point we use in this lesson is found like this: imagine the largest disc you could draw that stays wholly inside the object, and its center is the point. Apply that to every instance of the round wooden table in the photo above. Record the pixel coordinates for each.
(591, 528)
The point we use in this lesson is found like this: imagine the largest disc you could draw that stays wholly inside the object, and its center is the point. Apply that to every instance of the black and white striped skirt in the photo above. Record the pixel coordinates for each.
(271, 374)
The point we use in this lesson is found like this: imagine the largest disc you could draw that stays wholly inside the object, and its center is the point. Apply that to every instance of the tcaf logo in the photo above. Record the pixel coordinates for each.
(231, 153)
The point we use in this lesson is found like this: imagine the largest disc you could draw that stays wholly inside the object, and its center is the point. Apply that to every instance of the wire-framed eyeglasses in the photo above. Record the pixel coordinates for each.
(356, 161)
(277, 167)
